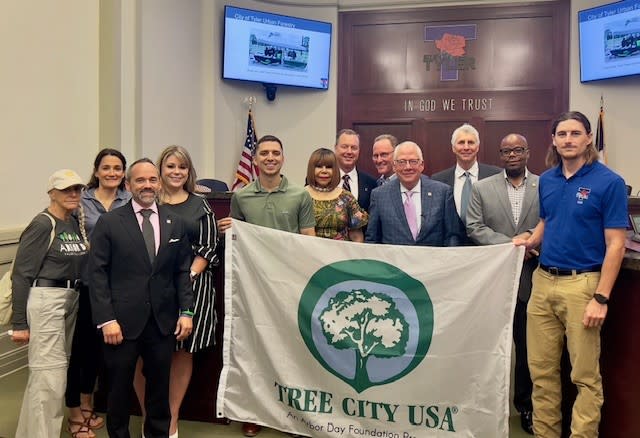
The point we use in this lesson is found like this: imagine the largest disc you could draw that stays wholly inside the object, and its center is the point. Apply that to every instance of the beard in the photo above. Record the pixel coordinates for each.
(515, 173)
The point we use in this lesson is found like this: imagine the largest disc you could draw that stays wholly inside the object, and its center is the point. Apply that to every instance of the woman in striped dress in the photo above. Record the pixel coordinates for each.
(178, 184)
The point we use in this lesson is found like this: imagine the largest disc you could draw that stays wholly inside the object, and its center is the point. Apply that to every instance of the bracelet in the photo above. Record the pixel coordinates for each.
(188, 313)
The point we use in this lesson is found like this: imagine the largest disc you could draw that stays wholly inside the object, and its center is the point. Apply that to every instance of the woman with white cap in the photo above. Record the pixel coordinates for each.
(45, 279)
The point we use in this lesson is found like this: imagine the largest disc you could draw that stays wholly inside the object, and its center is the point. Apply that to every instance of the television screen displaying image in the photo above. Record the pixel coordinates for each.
(276, 49)
(610, 41)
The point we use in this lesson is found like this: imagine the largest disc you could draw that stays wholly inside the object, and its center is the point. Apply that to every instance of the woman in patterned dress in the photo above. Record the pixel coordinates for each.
(338, 215)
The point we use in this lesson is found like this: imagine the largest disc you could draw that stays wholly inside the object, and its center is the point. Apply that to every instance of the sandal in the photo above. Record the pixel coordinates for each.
(92, 420)
(82, 431)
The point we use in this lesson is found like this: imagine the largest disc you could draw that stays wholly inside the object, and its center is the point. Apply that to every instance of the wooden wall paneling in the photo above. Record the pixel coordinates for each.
(513, 74)
(537, 133)
(368, 132)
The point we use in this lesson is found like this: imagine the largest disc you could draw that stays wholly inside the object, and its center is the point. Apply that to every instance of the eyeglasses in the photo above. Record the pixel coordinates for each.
(519, 151)
(403, 163)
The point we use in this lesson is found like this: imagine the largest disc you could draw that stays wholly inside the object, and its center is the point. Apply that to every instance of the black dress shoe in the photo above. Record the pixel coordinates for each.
(526, 421)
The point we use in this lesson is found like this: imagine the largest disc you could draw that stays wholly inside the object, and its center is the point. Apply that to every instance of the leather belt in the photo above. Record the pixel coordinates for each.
(67, 284)
(557, 271)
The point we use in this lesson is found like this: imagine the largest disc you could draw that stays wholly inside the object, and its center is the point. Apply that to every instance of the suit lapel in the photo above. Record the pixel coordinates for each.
(530, 195)
(500, 186)
(426, 198)
(398, 206)
(166, 225)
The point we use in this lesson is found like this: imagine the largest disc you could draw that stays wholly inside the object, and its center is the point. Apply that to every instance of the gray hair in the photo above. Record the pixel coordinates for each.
(465, 129)
(405, 144)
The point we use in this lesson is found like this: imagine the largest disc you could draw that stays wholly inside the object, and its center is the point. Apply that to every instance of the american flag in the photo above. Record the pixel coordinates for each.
(246, 171)
(600, 134)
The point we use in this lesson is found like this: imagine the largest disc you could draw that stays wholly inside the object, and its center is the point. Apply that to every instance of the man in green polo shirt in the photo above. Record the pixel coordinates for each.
(270, 201)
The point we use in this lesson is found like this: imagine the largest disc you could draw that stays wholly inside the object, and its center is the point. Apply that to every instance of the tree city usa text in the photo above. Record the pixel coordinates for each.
(321, 402)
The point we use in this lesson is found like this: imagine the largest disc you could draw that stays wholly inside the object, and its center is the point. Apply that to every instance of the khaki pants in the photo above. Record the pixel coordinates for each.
(51, 314)
(555, 310)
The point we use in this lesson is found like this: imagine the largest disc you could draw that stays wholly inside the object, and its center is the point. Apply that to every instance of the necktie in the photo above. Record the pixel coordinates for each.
(345, 183)
(466, 194)
(147, 233)
(410, 213)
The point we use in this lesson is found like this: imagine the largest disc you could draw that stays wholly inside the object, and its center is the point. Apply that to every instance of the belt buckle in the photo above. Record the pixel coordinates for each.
(553, 270)
(76, 284)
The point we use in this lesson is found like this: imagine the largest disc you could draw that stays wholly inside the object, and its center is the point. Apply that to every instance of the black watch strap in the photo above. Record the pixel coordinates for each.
(601, 298)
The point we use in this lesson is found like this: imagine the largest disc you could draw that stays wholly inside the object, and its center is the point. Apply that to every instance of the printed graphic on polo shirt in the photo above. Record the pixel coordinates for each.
(365, 321)
(71, 244)
(583, 194)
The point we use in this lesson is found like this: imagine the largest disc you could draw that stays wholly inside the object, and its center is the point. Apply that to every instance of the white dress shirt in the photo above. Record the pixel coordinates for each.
(458, 182)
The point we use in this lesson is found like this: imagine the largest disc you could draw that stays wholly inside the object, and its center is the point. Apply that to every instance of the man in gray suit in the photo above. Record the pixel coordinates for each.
(465, 144)
(502, 207)
(412, 209)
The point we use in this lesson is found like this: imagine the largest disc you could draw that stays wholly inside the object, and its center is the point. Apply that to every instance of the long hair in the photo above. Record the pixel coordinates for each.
(553, 157)
(93, 181)
(182, 155)
(323, 157)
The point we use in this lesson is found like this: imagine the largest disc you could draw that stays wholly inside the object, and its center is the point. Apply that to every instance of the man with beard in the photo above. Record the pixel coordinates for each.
(502, 207)
(582, 228)
(141, 298)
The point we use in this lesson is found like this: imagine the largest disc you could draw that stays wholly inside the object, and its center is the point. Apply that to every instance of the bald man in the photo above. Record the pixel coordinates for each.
(504, 206)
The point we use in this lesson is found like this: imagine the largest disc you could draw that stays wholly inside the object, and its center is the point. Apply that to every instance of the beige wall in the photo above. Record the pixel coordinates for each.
(141, 74)
(620, 104)
(49, 82)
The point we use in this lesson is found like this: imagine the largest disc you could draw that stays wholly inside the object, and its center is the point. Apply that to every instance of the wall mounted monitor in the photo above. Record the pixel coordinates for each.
(609, 41)
(276, 49)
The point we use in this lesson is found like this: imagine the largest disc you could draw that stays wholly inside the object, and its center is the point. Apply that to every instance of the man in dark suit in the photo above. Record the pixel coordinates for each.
(347, 149)
(465, 144)
(503, 207)
(141, 298)
(412, 209)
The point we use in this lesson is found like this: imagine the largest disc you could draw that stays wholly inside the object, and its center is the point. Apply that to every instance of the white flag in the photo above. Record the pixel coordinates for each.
(339, 339)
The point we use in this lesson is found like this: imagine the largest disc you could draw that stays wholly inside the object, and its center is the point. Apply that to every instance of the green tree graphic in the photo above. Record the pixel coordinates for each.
(369, 323)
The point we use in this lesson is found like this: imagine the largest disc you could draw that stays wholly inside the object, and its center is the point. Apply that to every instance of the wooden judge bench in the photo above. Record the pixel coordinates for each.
(620, 357)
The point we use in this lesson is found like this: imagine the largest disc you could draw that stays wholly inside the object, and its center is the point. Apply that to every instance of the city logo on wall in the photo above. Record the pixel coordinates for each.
(450, 40)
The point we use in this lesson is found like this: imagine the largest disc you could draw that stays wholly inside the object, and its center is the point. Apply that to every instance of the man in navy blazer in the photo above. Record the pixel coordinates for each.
(347, 149)
(465, 144)
(141, 298)
(433, 220)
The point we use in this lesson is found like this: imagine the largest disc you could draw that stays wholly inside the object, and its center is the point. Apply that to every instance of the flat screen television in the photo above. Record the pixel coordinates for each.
(276, 49)
(609, 41)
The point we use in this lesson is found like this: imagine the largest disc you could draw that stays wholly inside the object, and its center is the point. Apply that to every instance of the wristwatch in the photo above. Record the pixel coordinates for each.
(600, 298)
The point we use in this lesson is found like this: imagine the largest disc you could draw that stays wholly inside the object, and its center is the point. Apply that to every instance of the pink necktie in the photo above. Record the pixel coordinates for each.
(410, 213)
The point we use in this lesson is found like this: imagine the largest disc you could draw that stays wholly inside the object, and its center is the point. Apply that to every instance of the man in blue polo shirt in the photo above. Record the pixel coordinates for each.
(583, 218)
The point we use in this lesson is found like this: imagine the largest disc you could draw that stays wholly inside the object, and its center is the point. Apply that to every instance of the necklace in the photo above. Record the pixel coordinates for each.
(321, 189)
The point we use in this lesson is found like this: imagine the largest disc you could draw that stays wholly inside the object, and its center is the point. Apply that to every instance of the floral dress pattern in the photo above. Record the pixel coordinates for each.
(335, 217)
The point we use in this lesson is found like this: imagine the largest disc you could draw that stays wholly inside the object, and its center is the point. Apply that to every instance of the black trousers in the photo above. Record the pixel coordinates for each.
(156, 351)
(522, 378)
(86, 354)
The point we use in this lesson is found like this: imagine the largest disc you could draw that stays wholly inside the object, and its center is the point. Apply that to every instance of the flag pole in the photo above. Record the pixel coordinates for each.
(600, 143)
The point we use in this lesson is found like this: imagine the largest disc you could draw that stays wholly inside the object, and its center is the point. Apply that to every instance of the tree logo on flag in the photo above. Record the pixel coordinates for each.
(365, 321)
